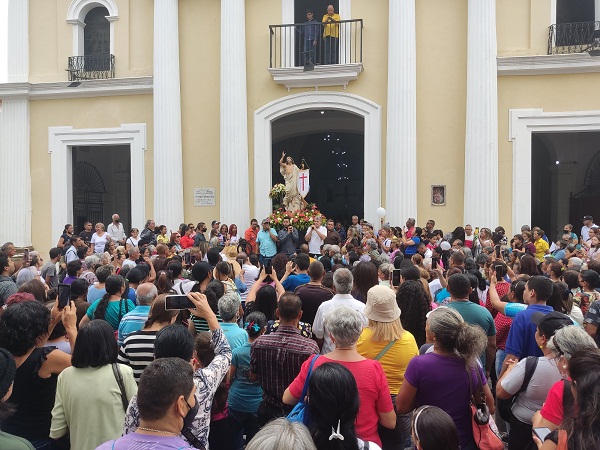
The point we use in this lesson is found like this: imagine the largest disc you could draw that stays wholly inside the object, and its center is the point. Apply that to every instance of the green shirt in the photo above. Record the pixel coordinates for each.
(10, 442)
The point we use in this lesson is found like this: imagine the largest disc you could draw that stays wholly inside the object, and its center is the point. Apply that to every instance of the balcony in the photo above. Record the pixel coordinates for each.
(576, 37)
(314, 55)
(91, 67)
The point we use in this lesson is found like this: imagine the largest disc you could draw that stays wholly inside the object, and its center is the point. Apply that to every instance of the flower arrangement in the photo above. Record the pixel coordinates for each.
(277, 192)
(301, 219)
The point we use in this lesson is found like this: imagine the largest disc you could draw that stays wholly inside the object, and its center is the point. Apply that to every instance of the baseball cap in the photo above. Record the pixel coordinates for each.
(214, 222)
(549, 323)
(381, 304)
(588, 218)
(265, 221)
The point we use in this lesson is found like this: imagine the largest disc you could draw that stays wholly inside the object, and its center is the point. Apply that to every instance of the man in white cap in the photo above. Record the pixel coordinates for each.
(588, 222)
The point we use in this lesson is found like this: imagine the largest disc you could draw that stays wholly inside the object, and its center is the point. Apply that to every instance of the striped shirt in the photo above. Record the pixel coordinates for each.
(137, 351)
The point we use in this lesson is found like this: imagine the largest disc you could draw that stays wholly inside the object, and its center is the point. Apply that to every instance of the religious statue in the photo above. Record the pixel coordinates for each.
(292, 201)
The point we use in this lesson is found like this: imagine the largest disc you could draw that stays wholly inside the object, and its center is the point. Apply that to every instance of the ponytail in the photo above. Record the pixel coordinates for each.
(470, 343)
(102, 306)
(113, 286)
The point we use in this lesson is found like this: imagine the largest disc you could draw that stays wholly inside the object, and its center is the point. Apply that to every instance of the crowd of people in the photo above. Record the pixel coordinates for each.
(385, 337)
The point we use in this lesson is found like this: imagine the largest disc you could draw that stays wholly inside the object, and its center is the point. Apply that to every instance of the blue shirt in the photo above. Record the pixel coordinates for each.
(244, 395)
(266, 246)
(235, 335)
(293, 281)
(521, 337)
(412, 249)
(133, 321)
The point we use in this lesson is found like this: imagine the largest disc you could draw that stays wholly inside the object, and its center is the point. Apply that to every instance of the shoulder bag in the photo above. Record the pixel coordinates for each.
(385, 349)
(119, 378)
(484, 436)
(505, 406)
(300, 412)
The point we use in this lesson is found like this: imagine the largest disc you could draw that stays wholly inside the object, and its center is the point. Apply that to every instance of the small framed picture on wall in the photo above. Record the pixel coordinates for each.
(438, 195)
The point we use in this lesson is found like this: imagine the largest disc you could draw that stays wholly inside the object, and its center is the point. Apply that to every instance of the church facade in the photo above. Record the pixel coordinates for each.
(463, 111)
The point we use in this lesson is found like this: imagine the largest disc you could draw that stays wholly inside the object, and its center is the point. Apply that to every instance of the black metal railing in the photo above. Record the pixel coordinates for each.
(576, 37)
(302, 44)
(91, 67)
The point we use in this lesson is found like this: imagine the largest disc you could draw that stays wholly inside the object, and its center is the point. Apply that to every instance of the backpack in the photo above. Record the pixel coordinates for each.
(505, 406)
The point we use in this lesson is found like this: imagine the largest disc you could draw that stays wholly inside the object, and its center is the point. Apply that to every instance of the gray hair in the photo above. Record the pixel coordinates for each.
(133, 251)
(372, 243)
(326, 247)
(151, 248)
(23, 276)
(229, 306)
(576, 263)
(343, 281)
(467, 251)
(345, 325)
(90, 261)
(385, 269)
(281, 434)
(103, 258)
(146, 293)
(570, 340)
(334, 248)
(103, 272)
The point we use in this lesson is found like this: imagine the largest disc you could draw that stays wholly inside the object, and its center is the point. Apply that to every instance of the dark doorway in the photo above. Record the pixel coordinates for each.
(572, 11)
(101, 185)
(541, 184)
(332, 144)
(319, 8)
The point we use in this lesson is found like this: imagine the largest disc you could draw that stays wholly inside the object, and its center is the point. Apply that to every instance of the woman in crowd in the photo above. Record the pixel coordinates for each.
(559, 405)
(281, 434)
(37, 289)
(365, 277)
(433, 429)
(545, 374)
(161, 237)
(383, 273)
(90, 406)
(175, 241)
(245, 394)
(589, 280)
(387, 342)
(64, 241)
(413, 301)
(345, 326)
(594, 249)
(23, 330)
(112, 306)
(583, 431)
(233, 234)
(223, 235)
(333, 406)
(528, 265)
(439, 379)
(133, 239)
(100, 239)
(137, 350)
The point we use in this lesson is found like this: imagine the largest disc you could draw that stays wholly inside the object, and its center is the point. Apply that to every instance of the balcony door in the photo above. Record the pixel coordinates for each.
(573, 11)
(319, 8)
(96, 40)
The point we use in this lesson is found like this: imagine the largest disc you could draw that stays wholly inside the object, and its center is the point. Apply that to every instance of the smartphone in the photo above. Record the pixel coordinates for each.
(497, 251)
(26, 256)
(541, 433)
(395, 277)
(499, 269)
(174, 302)
(64, 295)
(268, 268)
(434, 263)
(187, 259)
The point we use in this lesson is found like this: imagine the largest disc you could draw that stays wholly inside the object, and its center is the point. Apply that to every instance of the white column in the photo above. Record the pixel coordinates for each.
(234, 181)
(15, 175)
(401, 146)
(168, 172)
(481, 143)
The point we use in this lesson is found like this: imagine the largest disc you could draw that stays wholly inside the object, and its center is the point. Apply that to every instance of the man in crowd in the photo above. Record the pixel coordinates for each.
(251, 233)
(49, 273)
(76, 244)
(147, 236)
(356, 226)
(115, 230)
(288, 238)
(276, 358)
(331, 34)
(251, 272)
(135, 319)
(315, 236)
(291, 281)
(588, 222)
(7, 285)
(342, 283)
(200, 237)
(311, 29)
(333, 237)
(341, 231)
(541, 246)
(313, 294)
(134, 255)
(267, 242)
(87, 233)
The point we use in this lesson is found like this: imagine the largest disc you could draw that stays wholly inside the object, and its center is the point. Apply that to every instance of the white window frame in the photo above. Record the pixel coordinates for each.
(76, 16)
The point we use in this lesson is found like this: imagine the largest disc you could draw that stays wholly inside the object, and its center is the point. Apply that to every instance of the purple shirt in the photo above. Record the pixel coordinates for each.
(136, 441)
(442, 381)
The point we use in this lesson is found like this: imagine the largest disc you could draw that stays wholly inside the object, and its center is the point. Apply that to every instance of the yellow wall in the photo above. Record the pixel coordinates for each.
(98, 112)
(522, 27)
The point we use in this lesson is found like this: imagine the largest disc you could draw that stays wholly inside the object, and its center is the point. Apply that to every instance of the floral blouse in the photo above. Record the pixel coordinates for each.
(207, 380)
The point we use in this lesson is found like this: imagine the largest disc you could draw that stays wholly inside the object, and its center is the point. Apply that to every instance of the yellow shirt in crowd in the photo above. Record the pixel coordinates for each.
(332, 30)
(541, 247)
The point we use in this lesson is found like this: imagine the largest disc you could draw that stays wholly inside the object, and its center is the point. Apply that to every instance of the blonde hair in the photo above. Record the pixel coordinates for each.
(386, 331)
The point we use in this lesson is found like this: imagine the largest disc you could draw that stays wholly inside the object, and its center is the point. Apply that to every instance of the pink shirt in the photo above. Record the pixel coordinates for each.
(373, 391)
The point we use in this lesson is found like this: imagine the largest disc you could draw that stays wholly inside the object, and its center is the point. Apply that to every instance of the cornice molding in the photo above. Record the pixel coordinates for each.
(548, 64)
(325, 75)
(89, 88)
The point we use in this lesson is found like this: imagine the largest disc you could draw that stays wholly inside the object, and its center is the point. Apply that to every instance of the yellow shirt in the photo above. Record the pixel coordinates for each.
(160, 239)
(395, 360)
(332, 30)
(541, 247)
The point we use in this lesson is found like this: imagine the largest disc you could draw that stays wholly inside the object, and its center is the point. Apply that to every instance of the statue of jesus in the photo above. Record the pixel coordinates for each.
(292, 201)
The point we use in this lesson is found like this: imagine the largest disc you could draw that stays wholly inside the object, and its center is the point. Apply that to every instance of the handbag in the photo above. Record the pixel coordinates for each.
(505, 406)
(119, 378)
(300, 412)
(485, 438)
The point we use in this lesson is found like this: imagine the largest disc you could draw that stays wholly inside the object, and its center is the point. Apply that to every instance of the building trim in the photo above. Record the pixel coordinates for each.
(61, 141)
(329, 75)
(90, 88)
(76, 17)
(263, 118)
(524, 122)
(548, 64)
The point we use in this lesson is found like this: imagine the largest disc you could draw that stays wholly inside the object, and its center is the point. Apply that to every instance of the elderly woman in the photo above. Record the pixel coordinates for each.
(230, 310)
(385, 340)
(100, 239)
(345, 327)
(439, 378)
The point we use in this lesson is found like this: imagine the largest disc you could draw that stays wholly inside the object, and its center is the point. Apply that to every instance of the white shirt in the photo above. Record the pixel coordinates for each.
(71, 254)
(326, 308)
(116, 232)
(314, 245)
(250, 275)
(128, 263)
(585, 231)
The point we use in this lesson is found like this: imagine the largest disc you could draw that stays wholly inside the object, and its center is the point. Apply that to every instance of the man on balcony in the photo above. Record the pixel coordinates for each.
(331, 34)
(311, 34)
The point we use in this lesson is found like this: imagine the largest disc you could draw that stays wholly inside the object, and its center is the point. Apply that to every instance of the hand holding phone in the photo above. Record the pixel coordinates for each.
(176, 302)
(541, 433)
(64, 295)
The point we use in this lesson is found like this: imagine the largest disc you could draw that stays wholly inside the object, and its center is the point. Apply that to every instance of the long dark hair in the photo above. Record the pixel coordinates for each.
(334, 399)
(528, 265)
(413, 301)
(113, 286)
(158, 313)
(95, 345)
(266, 301)
(365, 277)
(435, 429)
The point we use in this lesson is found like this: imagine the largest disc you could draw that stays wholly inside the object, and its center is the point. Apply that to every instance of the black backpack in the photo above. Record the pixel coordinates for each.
(505, 406)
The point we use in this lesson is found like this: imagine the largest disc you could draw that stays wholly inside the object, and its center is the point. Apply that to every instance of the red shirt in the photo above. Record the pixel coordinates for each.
(250, 236)
(553, 406)
(502, 322)
(186, 241)
(373, 391)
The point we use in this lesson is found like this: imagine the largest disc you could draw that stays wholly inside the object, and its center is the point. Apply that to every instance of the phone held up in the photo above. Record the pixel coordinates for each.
(176, 302)
(64, 295)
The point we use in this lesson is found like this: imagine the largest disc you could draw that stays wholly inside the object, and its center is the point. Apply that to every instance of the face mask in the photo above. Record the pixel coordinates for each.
(191, 415)
(117, 220)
